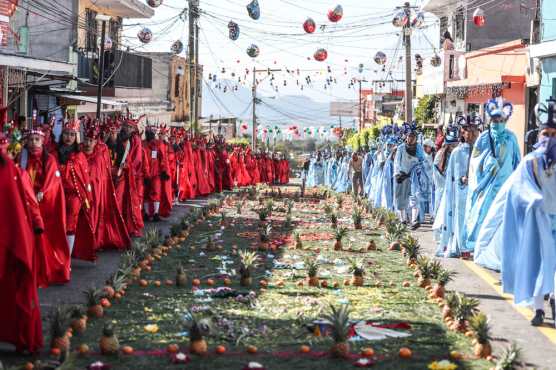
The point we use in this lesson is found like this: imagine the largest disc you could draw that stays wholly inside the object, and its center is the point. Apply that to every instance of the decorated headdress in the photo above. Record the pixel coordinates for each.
(452, 134)
(499, 108)
(72, 125)
(151, 128)
(163, 129)
(546, 114)
(409, 128)
(471, 120)
(4, 140)
(36, 130)
(92, 130)
(428, 142)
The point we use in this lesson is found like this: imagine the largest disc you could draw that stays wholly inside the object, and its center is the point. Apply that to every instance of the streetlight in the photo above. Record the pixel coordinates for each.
(103, 18)
(407, 19)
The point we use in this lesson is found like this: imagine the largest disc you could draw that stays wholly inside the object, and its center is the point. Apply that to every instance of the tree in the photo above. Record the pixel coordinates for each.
(426, 110)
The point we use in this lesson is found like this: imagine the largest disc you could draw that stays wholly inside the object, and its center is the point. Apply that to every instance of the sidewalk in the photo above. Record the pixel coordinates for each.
(508, 321)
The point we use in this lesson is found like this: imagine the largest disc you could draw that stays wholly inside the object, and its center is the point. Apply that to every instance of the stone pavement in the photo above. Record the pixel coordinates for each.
(508, 321)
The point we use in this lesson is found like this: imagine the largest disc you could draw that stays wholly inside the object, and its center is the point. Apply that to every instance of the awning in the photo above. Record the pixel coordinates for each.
(91, 99)
(35, 64)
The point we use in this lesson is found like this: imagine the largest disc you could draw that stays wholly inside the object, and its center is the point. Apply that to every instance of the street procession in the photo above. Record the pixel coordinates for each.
(271, 184)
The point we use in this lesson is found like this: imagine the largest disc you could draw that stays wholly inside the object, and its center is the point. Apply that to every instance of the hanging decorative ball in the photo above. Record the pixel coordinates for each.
(479, 17)
(145, 35)
(253, 51)
(400, 19)
(361, 66)
(154, 3)
(233, 30)
(436, 61)
(108, 43)
(334, 15)
(320, 55)
(419, 20)
(380, 58)
(254, 9)
(177, 47)
(309, 25)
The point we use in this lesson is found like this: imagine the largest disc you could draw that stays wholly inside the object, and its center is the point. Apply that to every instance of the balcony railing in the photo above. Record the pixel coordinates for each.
(121, 69)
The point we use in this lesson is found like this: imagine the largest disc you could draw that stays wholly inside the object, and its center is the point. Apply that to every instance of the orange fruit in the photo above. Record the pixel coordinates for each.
(210, 282)
(251, 349)
(227, 282)
(324, 284)
(109, 291)
(300, 283)
(280, 283)
(347, 282)
(336, 284)
(143, 283)
(127, 350)
(169, 282)
(220, 349)
(157, 283)
(117, 296)
(263, 283)
(104, 302)
(29, 366)
(55, 352)
(406, 284)
(196, 282)
(304, 349)
(172, 348)
(367, 352)
(405, 352)
(83, 349)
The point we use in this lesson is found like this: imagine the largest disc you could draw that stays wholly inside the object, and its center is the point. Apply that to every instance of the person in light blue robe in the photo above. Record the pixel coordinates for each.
(368, 162)
(315, 177)
(520, 232)
(343, 182)
(449, 226)
(409, 156)
(428, 147)
(495, 156)
(385, 186)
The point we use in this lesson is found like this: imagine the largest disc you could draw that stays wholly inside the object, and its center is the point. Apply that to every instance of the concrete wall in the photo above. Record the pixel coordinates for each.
(508, 20)
(52, 31)
(548, 25)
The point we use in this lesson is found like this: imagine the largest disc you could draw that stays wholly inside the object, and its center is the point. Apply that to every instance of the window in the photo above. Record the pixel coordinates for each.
(443, 28)
(91, 24)
(459, 26)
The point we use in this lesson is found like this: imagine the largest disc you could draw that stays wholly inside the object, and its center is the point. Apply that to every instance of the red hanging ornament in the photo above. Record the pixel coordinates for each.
(479, 17)
(320, 55)
(309, 25)
(334, 15)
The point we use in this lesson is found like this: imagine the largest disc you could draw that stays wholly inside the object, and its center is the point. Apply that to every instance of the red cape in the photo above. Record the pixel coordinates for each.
(185, 188)
(167, 196)
(20, 316)
(106, 218)
(202, 180)
(54, 267)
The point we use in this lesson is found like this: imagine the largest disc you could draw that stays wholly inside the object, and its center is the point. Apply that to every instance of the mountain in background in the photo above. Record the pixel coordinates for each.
(278, 110)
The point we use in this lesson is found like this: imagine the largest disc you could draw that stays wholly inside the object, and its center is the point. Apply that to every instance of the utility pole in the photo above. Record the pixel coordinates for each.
(198, 85)
(361, 104)
(408, 84)
(104, 19)
(254, 102)
(192, 15)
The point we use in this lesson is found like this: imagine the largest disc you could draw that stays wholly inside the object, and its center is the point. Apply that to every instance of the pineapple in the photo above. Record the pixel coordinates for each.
(78, 319)
(411, 249)
(210, 244)
(298, 242)
(248, 260)
(239, 207)
(443, 278)
(109, 344)
(175, 230)
(510, 359)
(223, 218)
(395, 231)
(269, 205)
(181, 277)
(465, 308)
(59, 329)
(452, 300)
(333, 217)
(94, 309)
(339, 201)
(289, 206)
(339, 234)
(328, 209)
(338, 318)
(264, 233)
(357, 217)
(288, 222)
(197, 328)
(425, 268)
(358, 270)
(263, 214)
(371, 246)
(480, 327)
(312, 267)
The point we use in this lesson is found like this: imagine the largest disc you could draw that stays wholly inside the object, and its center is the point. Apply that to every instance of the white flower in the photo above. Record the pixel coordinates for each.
(255, 365)
(181, 356)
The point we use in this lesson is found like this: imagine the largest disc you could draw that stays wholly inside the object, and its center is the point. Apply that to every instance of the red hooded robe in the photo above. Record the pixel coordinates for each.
(167, 196)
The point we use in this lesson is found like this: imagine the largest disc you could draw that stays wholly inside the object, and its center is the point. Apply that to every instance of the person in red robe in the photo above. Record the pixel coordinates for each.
(200, 168)
(157, 164)
(74, 171)
(223, 173)
(167, 191)
(127, 174)
(20, 316)
(108, 224)
(210, 159)
(251, 166)
(44, 176)
(285, 171)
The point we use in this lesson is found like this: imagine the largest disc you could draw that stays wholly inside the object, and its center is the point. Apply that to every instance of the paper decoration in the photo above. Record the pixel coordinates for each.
(320, 55)
(380, 58)
(336, 14)
(145, 35)
(233, 30)
(479, 17)
(254, 10)
(154, 3)
(177, 47)
(253, 51)
(309, 25)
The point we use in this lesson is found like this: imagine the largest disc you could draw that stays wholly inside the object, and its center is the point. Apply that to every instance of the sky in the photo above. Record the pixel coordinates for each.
(365, 29)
